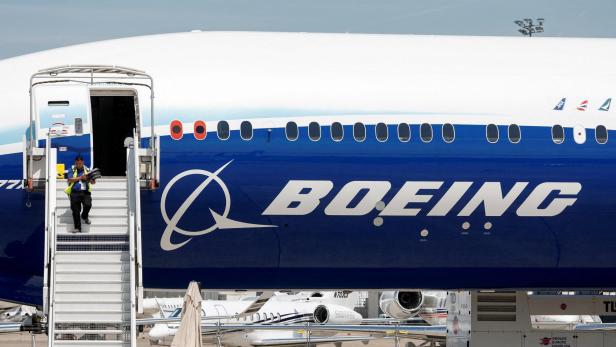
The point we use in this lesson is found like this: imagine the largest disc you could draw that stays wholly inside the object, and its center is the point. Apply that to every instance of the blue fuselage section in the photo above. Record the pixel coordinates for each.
(321, 249)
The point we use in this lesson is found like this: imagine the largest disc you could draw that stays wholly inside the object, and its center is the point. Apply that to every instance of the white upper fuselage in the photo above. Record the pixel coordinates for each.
(248, 75)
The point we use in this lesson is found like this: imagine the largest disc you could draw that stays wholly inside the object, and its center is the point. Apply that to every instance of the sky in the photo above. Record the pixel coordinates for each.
(33, 25)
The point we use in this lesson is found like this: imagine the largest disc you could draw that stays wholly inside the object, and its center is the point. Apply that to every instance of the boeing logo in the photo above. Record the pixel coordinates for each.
(221, 220)
(298, 198)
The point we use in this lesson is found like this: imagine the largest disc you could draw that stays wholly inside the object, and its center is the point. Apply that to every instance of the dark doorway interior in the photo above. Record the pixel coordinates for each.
(113, 120)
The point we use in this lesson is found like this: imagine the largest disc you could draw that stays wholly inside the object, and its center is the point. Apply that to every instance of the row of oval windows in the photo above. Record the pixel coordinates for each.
(381, 130)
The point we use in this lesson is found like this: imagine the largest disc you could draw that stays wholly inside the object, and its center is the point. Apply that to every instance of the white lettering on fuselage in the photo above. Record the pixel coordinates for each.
(10, 184)
(303, 197)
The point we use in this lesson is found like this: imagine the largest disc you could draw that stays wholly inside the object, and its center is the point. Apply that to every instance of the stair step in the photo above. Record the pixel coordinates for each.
(90, 343)
(91, 307)
(92, 286)
(93, 229)
(96, 220)
(72, 296)
(98, 203)
(95, 212)
(86, 316)
(88, 300)
(90, 276)
(91, 247)
(64, 198)
(92, 267)
(100, 184)
(93, 238)
(60, 186)
(92, 243)
(96, 194)
(78, 331)
(88, 257)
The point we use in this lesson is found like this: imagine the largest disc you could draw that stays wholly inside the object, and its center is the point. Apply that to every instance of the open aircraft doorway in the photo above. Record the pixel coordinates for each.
(113, 120)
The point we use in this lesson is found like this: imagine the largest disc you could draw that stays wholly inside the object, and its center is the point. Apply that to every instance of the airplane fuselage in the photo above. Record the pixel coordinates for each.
(351, 212)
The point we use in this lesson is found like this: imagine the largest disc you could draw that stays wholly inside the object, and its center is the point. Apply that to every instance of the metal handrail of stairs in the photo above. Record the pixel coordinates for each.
(50, 236)
(134, 206)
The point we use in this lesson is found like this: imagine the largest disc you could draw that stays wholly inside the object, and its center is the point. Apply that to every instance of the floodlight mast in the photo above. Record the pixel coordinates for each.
(528, 27)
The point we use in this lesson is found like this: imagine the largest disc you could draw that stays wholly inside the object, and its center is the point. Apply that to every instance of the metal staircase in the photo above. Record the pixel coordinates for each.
(93, 278)
(92, 282)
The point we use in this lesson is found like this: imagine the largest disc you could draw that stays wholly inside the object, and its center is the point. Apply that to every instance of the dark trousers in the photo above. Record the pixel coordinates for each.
(77, 199)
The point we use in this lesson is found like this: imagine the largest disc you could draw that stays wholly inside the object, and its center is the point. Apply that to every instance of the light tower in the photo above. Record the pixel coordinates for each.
(528, 27)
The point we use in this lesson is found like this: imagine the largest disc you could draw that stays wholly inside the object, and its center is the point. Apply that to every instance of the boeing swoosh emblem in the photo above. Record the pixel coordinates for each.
(221, 221)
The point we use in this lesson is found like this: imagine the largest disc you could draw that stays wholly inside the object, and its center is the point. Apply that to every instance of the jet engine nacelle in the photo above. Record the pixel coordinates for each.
(401, 304)
(335, 314)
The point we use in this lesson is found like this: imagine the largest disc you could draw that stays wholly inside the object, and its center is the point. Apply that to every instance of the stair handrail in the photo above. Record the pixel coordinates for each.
(50, 236)
(137, 211)
(135, 182)
(134, 222)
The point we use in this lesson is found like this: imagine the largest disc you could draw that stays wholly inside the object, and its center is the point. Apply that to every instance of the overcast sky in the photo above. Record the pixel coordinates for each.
(33, 25)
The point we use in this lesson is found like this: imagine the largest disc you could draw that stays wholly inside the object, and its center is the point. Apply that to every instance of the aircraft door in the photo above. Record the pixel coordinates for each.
(63, 112)
(221, 310)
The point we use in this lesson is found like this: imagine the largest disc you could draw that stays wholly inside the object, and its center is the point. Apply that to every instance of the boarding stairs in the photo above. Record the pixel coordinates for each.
(93, 278)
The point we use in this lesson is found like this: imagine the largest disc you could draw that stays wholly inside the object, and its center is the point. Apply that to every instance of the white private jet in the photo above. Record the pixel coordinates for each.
(317, 308)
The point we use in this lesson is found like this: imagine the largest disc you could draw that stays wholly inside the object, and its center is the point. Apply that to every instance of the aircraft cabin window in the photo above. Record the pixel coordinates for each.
(425, 132)
(492, 133)
(359, 132)
(558, 134)
(514, 133)
(176, 130)
(291, 131)
(404, 132)
(222, 130)
(337, 131)
(449, 133)
(314, 131)
(601, 134)
(199, 130)
(381, 132)
(246, 130)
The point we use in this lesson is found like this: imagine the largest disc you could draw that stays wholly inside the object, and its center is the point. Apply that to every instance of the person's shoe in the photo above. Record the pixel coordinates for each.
(77, 230)
(87, 220)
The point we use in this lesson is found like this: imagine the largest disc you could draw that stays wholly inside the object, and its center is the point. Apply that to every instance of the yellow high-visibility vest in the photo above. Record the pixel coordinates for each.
(69, 189)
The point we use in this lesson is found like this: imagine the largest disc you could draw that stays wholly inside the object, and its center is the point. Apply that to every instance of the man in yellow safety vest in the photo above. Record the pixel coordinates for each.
(79, 191)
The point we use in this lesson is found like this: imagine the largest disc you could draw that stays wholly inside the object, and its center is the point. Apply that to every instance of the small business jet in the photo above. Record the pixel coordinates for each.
(281, 309)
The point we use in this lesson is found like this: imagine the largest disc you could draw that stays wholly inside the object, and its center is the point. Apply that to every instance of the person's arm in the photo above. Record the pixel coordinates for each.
(77, 179)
